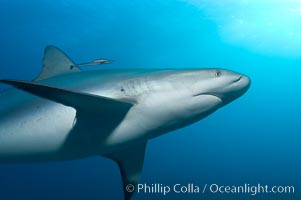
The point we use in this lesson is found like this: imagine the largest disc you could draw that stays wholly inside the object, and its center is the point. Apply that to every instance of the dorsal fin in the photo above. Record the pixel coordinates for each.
(56, 62)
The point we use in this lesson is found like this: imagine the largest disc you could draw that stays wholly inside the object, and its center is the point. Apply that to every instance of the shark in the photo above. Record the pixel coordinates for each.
(68, 113)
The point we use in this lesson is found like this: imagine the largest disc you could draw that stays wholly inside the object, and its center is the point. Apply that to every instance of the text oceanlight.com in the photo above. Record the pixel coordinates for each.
(191, 188)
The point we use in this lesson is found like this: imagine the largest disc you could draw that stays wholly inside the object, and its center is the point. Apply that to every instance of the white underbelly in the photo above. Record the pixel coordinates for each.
(35, 129)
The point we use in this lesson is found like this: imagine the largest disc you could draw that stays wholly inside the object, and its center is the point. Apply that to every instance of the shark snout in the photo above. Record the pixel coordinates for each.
(244, 83)
(239, 87)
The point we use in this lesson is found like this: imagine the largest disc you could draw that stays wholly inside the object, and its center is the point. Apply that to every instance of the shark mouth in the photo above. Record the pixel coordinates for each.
(238, 79)
(220, 96)
(209, 94)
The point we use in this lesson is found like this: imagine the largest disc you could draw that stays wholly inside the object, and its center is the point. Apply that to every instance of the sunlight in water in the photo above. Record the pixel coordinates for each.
(266, 26)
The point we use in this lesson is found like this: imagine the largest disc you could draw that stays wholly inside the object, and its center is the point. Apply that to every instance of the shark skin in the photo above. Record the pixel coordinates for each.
(67, 114)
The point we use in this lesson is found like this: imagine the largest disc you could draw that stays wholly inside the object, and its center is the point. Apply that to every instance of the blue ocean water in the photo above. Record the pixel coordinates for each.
(255, 139)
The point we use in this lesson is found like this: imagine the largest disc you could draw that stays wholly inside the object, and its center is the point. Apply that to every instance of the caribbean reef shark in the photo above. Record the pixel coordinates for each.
(67, 113)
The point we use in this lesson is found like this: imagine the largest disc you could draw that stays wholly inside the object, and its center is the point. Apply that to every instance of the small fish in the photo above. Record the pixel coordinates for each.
(96, 62)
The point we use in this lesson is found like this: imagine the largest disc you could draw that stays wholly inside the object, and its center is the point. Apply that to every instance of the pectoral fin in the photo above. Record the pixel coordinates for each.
(80, 101)
(130, 161)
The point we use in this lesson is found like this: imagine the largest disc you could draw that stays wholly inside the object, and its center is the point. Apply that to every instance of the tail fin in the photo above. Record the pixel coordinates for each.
(56, 62)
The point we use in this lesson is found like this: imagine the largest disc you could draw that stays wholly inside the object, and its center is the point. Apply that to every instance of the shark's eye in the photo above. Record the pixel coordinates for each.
(217, 73)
